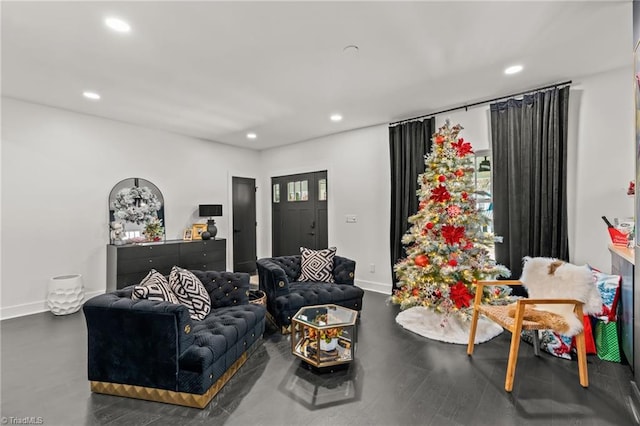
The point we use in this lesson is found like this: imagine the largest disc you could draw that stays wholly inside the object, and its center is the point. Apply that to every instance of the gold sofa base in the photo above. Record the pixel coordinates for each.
(167, 396)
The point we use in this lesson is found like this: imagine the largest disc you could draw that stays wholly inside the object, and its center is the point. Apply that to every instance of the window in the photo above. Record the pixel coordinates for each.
(298, 190)
(482, 182)
(322, 190)
(276, 192)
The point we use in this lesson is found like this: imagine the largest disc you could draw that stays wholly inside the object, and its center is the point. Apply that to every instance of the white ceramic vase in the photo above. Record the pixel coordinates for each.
(65, 294)
(328, 346)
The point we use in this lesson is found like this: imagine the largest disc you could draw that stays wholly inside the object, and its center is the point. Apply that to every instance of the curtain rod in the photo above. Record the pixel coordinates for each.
(465, 107)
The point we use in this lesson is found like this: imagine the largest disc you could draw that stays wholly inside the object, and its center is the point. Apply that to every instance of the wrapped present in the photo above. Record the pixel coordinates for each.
(609, 288)
(559, 345)
(607, 343)
(551, 342)
(606, 328)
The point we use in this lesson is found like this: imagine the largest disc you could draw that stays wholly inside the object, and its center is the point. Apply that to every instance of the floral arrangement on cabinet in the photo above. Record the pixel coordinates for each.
(154, 230)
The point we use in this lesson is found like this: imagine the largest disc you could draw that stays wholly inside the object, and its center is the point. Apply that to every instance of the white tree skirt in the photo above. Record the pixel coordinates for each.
(428, 323)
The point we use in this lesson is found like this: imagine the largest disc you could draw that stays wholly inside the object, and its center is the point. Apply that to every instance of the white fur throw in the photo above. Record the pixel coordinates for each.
(547, 278)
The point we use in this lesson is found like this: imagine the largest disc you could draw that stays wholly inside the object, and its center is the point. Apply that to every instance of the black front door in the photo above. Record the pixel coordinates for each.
(299, 212)
(244, 224)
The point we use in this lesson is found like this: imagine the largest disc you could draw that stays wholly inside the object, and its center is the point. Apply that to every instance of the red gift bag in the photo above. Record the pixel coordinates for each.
(589, 342)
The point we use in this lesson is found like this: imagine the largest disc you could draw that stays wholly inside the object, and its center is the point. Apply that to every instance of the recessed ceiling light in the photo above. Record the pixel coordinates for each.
(251, 135)
(336, 117)
(513, 69)
(117, 24)
(91, 95)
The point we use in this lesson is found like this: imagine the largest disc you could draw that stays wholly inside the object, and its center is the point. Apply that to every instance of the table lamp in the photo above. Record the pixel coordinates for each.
(209, 211)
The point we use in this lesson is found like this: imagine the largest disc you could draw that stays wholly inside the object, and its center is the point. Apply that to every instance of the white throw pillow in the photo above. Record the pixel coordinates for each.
(154, 287)
(317, 265)
(190, 292)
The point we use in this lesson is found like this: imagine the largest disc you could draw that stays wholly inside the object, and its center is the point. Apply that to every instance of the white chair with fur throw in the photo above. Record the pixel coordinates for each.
(559, 294)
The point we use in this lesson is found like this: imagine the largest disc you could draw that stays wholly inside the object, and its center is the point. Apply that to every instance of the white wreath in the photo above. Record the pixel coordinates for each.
(137, 205)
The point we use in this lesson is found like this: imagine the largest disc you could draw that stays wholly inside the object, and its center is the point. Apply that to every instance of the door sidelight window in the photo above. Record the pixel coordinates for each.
(322, 190)
(298, 190)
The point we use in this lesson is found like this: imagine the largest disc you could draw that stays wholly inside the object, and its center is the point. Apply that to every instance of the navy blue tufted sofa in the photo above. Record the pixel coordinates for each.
(154, 350)
(286, 295)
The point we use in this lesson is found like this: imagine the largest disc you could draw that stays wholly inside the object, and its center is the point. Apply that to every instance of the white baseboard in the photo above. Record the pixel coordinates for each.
(15, 311)
(374, 286)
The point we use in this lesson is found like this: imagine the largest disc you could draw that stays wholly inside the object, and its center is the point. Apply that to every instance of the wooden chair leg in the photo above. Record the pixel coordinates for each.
(472, 332)
(513, 360)
(582, 360)
(474, 320)
(514, 348)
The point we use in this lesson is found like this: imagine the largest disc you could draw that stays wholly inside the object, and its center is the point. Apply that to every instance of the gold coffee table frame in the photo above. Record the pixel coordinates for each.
(313, 326)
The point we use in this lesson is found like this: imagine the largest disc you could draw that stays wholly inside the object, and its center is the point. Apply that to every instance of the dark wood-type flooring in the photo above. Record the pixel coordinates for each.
(398, 378)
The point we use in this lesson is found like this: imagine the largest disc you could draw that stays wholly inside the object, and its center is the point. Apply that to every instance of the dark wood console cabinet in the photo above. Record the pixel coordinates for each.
(129, 264)
(622, 263)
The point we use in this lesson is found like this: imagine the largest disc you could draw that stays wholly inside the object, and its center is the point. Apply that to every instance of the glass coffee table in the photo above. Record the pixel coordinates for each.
(324, 335)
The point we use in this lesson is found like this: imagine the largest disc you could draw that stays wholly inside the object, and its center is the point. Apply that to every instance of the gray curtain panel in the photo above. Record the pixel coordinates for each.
(408, 145)
(529, 144)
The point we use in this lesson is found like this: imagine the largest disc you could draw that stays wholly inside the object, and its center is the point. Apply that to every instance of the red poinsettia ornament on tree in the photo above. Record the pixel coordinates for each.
(447, 249)
(460, 295)
(452, 234)
(440, 194)
(462, 148)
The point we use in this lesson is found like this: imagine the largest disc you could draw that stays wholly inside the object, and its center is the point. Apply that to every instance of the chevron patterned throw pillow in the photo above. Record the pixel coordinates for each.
(317, 265)
(154, 287)
(190, 292)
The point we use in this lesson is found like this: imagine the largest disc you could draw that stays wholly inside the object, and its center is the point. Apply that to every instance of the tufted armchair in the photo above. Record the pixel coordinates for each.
(154, 350)
(286, 295)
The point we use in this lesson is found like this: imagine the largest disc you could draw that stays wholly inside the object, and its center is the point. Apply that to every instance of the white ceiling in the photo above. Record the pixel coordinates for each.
(217, 70)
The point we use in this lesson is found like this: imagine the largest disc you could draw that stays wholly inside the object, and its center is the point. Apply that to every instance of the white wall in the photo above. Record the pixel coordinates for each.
(357, 164)
(475, 122)
(604, 159)
(58, 168)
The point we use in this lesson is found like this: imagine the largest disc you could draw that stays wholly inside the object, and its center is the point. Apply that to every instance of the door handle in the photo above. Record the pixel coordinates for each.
(313, 224)
(312, 233)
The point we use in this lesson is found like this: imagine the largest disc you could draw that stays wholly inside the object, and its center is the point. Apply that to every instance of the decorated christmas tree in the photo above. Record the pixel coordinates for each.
(447, 250)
